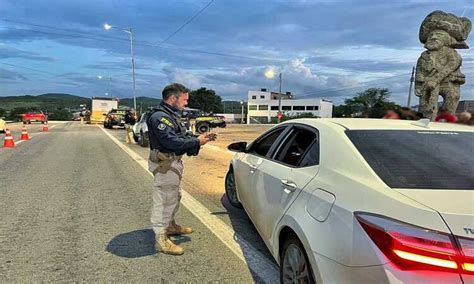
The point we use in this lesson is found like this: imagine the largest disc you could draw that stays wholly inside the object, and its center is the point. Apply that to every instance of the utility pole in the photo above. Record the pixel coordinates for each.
(412, 79)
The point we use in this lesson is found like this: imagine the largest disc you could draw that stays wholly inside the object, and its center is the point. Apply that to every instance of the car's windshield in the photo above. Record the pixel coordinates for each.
(418, 159)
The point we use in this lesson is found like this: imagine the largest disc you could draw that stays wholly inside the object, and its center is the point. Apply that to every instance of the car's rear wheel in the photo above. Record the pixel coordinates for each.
(203, 127)
(143, 139)
(294, 264)
(231, 189)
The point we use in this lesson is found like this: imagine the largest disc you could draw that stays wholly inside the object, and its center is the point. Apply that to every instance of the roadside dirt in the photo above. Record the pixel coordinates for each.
(207, 172)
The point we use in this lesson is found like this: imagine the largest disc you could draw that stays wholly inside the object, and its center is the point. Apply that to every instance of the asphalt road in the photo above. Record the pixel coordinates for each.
(75, 207)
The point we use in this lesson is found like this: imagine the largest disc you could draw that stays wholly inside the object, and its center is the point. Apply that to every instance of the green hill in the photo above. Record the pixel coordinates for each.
(43, 102)
(56, 103)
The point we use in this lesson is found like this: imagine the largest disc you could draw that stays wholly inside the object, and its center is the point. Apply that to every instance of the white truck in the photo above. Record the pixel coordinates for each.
(100, 108)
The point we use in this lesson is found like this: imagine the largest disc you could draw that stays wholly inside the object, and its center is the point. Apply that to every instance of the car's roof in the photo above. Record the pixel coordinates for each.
(383, 124)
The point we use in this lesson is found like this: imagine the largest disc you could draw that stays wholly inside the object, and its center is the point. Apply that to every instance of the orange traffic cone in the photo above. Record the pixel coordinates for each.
(24, 134)
(45, 127)
(9, 143)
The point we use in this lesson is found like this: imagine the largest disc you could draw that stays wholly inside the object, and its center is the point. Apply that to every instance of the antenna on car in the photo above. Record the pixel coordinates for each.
(424, 122)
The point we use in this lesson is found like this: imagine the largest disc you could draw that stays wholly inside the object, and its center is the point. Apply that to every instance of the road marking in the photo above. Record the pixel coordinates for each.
(265, 269)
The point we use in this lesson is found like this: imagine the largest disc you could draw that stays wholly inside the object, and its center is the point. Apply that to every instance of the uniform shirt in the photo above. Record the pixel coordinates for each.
(168, 134)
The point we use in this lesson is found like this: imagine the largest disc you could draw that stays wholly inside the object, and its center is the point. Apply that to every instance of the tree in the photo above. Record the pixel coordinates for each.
(60, 114)
(372, 102)
(205, 100)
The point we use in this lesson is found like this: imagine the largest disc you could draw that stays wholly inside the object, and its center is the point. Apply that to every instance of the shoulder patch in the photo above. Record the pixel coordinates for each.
(166, 121)
(161, 126)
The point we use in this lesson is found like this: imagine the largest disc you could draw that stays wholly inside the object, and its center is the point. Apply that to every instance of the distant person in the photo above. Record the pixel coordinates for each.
(391, 114)
(129, 122)
(81, 117)
(45, 117)
(465, 118)
(445, 116)
(407, 114)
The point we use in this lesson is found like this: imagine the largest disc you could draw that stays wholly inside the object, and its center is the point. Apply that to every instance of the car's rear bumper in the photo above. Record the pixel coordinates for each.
(330, 271)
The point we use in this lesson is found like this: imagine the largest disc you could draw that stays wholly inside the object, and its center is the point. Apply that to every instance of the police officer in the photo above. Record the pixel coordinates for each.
(168, 143)
(130, 120)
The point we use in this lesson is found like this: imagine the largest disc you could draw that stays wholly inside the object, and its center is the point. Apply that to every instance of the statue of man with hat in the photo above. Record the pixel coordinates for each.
(438, 68)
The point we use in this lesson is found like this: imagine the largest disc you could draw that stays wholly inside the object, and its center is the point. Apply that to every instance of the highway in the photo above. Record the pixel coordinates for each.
(75, 206)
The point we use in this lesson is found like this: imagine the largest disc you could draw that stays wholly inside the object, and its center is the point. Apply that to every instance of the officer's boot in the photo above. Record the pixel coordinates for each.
(175, 229)
(165, 245)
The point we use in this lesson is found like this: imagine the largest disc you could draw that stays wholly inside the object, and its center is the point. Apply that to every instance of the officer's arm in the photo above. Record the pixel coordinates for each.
(169, 139)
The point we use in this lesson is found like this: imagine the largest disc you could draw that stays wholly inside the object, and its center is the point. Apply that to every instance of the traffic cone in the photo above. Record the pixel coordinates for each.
(9, 143)
(24, 134)
(45, 127)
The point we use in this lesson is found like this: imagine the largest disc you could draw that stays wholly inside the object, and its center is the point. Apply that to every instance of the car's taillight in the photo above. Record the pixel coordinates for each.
(414, 248)
(467, 252)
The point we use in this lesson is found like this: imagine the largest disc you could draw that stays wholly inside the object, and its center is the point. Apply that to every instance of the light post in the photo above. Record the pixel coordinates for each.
(271, 74)
(242, 104)
(129, 31)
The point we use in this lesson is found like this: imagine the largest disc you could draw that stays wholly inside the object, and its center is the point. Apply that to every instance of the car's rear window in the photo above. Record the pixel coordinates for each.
(418, 159)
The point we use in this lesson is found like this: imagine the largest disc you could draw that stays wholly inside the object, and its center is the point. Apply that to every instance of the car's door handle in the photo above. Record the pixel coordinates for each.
(289, 185)
(252, 168)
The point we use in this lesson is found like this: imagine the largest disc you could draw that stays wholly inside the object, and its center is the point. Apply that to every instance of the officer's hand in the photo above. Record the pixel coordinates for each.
(206, 137)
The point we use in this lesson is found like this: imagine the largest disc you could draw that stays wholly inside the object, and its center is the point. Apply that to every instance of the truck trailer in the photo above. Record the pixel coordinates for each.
(100, 107)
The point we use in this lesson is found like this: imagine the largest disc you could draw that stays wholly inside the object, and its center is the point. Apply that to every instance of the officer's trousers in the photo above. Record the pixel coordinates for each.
(166, 196)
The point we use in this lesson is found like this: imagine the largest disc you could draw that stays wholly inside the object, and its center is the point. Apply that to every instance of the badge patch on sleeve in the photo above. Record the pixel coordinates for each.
(161, 126)
(166, 121)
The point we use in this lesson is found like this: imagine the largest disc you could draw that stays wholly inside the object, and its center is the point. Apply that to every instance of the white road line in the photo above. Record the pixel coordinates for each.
(256, 261)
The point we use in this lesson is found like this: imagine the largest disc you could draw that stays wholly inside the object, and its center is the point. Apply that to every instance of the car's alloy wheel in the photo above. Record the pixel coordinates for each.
(230, 189)
(294, 267)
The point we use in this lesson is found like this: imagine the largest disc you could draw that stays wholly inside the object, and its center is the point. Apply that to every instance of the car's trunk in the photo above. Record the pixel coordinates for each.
(456, 207)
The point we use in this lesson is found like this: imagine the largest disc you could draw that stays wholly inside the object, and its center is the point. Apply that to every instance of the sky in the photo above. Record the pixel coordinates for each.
(324, 49)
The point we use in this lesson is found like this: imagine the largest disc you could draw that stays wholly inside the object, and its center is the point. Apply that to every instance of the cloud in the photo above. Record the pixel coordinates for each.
(11, 76)
(11, 52)
(321, 47)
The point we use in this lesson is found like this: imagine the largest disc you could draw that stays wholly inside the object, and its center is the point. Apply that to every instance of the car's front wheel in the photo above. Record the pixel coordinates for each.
(231, 189)
(294, 264)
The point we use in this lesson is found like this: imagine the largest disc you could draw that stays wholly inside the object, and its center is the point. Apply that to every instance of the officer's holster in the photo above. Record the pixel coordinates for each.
(164, 161)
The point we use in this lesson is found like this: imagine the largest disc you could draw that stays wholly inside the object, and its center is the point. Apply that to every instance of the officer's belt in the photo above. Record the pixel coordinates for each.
(164, 162)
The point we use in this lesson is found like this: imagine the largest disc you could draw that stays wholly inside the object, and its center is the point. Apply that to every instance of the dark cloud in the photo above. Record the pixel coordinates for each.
(11, 76)
(10, 52)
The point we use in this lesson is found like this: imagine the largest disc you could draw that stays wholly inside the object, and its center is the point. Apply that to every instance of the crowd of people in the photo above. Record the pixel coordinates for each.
(444, 115)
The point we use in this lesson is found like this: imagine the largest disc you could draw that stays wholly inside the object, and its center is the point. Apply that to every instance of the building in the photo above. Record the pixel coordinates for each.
(263, 106)
(466, 105)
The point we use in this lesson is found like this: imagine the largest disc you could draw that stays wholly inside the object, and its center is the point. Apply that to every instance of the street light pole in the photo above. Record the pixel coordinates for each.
(279, 102)
(412, 79)
(130, 32)
(242, 103)
(133, 70)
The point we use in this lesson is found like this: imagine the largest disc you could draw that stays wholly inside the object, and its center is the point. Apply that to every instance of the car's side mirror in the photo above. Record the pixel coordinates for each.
(238, 147)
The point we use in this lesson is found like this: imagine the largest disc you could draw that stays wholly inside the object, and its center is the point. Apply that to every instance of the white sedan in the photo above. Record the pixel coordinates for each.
(361, 200)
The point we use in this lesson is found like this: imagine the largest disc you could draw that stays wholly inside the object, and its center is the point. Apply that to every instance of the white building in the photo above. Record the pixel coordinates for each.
(263, 106)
